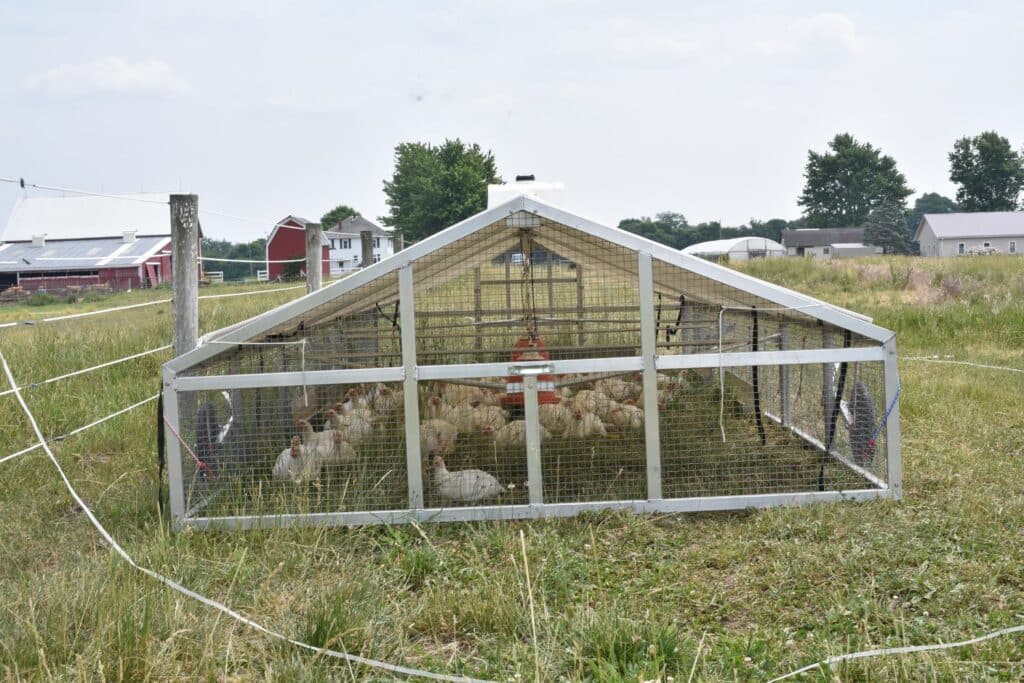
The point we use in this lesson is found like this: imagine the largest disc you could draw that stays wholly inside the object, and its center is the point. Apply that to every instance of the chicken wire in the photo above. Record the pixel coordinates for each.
(528, 294)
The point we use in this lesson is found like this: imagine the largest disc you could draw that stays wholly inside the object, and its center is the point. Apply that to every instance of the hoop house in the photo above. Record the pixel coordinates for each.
(527, 362)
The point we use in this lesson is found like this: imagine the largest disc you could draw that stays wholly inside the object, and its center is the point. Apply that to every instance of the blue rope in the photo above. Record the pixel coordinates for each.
(888, 412)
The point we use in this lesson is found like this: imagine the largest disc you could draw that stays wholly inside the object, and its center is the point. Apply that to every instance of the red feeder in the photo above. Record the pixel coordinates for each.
(526, 350)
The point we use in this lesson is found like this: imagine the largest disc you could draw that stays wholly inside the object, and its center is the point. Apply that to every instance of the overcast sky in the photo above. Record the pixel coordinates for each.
(267, 108)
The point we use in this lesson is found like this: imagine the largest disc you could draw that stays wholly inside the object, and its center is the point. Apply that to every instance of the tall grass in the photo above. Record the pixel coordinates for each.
(617, 597)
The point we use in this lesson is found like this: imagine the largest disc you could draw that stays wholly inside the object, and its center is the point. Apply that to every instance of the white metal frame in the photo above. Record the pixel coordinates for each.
(648, 363)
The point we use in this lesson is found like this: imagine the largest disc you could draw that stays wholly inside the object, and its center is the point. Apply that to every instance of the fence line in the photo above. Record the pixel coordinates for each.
(936, 359)
(899, 651)
(83, 371)
(116, 309)
(82, 428)
(209, 602)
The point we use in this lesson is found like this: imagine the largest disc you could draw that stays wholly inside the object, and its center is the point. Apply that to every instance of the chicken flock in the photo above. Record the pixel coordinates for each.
(450, 410)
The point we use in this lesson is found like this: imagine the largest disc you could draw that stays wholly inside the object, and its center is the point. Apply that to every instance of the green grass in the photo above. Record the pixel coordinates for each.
(739, 596)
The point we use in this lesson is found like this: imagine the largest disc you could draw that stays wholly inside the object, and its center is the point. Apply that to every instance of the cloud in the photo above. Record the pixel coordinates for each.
(110, 74)
(629, 38)
(824, 31)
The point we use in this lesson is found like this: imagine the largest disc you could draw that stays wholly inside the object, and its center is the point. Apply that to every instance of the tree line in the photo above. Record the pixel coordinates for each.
(850, 184)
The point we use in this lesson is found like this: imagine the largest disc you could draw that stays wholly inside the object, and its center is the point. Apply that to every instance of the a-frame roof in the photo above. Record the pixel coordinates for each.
(729, 279)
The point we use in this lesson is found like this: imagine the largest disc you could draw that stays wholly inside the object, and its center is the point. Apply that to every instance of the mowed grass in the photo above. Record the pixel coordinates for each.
(742, 596)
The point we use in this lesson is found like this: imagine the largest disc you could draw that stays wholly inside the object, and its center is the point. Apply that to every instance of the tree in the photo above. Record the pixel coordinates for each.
(929, 202)
(337, 215)
(666, 227)
(887, 227)
(248, 251)
(989, 172)
(843, 186)
(436, 186)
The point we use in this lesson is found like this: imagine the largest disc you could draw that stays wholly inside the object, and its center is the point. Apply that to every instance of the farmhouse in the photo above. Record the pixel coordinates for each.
(342, 249)
(827, 243)
(960, 234)
(58, 242)
(737, 249)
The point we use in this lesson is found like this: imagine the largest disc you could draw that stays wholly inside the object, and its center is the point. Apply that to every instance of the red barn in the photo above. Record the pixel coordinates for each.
(51, 243)
(287, 242)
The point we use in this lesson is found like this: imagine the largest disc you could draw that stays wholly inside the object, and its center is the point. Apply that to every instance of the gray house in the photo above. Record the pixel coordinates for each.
(827, 243)
(960, 234)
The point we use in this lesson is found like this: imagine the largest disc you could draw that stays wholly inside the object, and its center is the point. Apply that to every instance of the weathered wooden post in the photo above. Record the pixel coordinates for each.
(367, 239)
(185, 269)
(314, 257)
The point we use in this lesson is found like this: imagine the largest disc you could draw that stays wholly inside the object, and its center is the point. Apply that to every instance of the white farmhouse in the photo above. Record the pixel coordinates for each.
(966, 234)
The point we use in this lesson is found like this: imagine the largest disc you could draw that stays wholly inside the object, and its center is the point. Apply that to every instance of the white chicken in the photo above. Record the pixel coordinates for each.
(627, 416)
(514, 434)
(386, 400)
(318, 444)
(585, 425)
(486, 416)
(492, 398)
(296, 463)
(355, 399)
(435, 407)
(461, 394)
(463, 416)
(437, 437)
(354, 428)
(554, 417)
(614, 388)
(464, 485)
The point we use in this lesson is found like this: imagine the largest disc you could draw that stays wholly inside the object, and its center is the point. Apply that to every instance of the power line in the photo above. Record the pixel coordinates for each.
(69, 190)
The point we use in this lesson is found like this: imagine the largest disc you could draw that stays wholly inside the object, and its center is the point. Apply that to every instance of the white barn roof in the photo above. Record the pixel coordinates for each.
(736, 244)
(73, 218)
(977, 224)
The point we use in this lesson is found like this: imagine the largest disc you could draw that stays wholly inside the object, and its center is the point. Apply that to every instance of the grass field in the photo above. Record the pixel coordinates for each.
(741, 596)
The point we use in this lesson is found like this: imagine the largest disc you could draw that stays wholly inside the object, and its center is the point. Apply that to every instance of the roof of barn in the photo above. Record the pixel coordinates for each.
(730, 287)
(72, 255)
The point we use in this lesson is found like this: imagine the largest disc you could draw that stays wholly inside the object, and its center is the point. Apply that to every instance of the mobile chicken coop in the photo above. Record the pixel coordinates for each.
(527, 362)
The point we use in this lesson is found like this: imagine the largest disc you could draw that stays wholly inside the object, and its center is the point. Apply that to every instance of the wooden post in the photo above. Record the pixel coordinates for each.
(314, 257)
(185, 269)
(366, 237)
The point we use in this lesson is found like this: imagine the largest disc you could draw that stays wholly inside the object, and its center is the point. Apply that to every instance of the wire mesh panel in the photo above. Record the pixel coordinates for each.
(287, 450)
(476, 300)
(473, 441)
(594, 438)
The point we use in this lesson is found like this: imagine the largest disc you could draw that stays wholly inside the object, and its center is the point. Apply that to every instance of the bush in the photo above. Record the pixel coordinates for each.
(40, 299)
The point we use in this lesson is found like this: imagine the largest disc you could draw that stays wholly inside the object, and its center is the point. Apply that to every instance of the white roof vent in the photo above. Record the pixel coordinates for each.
(528, 185)
(128, 236)
(38, 240)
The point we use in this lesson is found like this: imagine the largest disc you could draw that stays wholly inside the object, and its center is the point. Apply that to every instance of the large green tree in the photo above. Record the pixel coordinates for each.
(337, 215)
(248, 251)
(846, 183)
(988, 170)
(929, 202)
(436, 186)
(886, 227)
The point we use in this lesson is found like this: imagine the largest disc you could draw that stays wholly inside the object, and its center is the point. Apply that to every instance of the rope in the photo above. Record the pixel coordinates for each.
(936, 359)
(82, 428)
(201, 466)
(128, 198)
(141, 305)
(900, 651)
(86, 370)
(885, 418)
(721, 378)
(209, 602)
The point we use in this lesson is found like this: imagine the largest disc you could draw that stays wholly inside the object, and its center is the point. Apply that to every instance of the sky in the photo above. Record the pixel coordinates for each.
(267, 108)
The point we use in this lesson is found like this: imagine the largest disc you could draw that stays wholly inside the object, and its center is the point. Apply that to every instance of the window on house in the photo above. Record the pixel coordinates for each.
(961, 248)
(376, 258)
(376, 243)
(1013, 246)
(986, 245)
(825, 250)
(346, 243)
